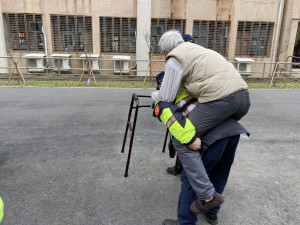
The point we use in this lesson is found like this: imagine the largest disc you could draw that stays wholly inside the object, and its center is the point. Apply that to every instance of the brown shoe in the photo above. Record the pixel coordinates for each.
(201, 206)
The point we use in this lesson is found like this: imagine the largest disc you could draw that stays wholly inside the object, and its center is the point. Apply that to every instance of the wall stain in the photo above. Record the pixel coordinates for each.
(224, 9)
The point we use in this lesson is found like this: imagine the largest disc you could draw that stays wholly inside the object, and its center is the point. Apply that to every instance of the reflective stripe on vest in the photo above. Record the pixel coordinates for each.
(170, 122)
(190, 108)
(167, 117)
(183, 101)
(183, 134)
(181, 95)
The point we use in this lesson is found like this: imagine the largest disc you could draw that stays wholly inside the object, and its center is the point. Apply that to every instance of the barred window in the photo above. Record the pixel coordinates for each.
(254, 38)
(212, 35)
(72, 33)
(118, 34)
(24, 32)
(159, 26)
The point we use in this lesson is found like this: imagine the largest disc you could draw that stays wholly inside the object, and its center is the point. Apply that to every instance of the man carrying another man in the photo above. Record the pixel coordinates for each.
(221, 94)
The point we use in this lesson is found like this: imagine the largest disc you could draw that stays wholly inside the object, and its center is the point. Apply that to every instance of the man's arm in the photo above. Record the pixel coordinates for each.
(179, 126)
(171, 82)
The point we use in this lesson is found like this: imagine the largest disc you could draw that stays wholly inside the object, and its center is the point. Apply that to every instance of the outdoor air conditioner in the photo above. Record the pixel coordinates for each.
(243, 65)
(93, 58)
(61, 62)
(121, 64)
(35, 62)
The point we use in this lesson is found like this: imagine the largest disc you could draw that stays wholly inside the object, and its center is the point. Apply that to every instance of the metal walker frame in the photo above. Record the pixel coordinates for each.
(135, 99)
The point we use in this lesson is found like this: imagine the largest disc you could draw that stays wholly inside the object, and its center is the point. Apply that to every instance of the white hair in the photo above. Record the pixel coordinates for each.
(170, 40)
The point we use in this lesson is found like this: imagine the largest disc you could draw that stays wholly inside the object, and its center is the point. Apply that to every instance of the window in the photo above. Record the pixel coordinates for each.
(159, 26)
(212, 35)
(117, 34)
(254, 38)
(72, 33)
(24, 32)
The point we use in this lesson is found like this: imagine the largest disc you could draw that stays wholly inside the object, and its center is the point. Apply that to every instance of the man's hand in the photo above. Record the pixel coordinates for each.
(196, 145)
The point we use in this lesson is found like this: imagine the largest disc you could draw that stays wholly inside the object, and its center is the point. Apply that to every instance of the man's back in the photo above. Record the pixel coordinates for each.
(206, 74)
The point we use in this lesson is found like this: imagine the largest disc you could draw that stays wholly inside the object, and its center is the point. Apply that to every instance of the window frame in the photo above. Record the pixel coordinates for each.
(254, 43)
(69, 36)
(210, 39)
(163, 25)
(19, 35)
(118, 34)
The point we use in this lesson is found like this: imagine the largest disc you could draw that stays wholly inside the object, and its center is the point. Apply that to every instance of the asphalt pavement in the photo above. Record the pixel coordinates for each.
(61, 160)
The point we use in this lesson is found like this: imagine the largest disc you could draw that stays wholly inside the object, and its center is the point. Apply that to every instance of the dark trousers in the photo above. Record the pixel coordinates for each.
(205, 117)
(217, 162)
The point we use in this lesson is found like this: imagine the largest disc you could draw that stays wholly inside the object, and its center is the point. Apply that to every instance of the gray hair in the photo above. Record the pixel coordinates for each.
(170, 40)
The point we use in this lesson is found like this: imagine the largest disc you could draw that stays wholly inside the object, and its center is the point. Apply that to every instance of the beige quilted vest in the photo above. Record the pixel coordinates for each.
(206, 74)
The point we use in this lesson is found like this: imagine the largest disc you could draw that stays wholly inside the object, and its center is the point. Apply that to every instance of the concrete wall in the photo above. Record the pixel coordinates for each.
(143, 34)
(291, 17)
(144, 10)
(3, 61)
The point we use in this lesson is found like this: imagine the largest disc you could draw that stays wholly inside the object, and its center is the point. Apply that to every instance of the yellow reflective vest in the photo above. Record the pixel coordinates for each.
(174, 116)
(1, 209)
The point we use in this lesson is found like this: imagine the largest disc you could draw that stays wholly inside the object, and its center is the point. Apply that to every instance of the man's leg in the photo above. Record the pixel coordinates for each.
(194, 170)
(217, 161)
(186, 197)
(208, 115)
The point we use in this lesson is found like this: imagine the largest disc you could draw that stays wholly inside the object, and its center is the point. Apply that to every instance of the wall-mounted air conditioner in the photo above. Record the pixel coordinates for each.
(243, 65)
(93, 59)
(121, 63)
(61, 62)
(35, 62)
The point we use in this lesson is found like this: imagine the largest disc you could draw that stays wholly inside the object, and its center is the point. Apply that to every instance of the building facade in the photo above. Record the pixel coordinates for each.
(258, 30)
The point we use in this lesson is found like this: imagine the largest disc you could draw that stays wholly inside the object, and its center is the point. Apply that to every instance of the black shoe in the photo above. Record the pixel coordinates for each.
(171, 170)
(170, 222)
(211, 218)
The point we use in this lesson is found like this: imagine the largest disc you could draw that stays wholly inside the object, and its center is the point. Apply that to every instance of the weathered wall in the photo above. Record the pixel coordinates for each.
(228, 10)
(289, 27)
(22, 6)
(3, 61)
(73, 7)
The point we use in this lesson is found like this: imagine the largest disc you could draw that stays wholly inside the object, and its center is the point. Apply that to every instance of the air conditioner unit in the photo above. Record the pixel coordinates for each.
(243, 65)
(93, 59)
(121, 64)
(35, 62)
(61, 62)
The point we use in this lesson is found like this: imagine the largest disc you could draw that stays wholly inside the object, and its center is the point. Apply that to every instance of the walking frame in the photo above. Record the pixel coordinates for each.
(135, 99)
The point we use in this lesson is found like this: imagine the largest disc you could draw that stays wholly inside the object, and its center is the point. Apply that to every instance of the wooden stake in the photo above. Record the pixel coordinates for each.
(273, 74)
(16, 67)
(88, 66)
(146, 73)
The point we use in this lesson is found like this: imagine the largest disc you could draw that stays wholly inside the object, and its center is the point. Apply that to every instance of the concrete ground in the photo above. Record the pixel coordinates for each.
(60, 160)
